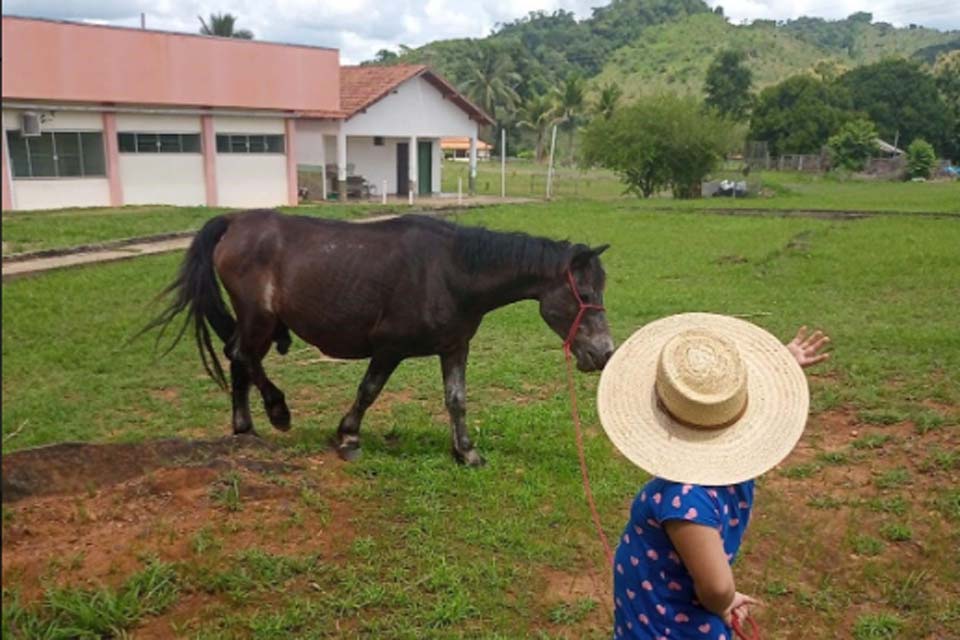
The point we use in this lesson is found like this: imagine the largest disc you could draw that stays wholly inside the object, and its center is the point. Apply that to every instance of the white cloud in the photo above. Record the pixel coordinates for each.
(940, 14)
(359, 28)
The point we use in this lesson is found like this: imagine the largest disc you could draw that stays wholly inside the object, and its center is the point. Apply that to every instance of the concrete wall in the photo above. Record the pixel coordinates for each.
(161, 178)
(61, 61)
(247, 180)
(416, 109)
(57, 193)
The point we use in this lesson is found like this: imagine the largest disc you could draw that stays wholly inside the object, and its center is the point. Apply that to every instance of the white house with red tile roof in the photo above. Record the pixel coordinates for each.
(109, 116)
(394, 119)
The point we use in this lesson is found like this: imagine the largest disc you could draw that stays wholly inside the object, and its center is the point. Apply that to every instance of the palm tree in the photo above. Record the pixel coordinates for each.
(222, 25)
(607, 101)
(537, 114)
(490, 80)
(570, 101)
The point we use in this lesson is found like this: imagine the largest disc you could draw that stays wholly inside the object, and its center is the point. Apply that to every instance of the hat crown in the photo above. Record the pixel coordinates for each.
(701, 379)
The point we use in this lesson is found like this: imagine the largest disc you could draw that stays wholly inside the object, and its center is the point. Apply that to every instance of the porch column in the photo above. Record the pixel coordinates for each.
(209, 148)
(414, 171)
(323, 164)
(112, 149)
(473, 165)
(342, 164)
(293, 194)
(7, 181)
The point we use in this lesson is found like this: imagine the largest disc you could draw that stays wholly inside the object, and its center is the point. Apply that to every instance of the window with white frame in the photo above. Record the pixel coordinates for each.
(57, 154)
(143, 142)
(249, 143)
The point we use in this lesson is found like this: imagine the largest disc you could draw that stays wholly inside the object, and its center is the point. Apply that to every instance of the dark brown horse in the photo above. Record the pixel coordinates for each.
(390, 290)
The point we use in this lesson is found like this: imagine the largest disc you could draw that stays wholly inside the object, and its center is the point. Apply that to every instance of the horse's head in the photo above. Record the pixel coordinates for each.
(578, 294)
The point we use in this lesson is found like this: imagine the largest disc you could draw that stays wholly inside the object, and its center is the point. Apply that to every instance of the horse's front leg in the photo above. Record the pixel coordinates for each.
(348, 434)
(454, 367)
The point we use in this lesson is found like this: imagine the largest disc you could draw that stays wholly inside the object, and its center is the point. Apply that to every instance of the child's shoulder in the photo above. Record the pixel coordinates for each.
(658, 490)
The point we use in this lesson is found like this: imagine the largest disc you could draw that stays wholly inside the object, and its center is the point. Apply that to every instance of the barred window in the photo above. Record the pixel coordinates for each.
(249, 143)
(57, 154)
(144, 142)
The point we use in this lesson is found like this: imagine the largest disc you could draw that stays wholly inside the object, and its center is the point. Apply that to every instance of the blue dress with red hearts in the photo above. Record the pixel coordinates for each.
(653, 591)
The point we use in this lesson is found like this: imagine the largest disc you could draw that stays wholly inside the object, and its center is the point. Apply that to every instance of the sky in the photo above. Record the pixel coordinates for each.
(360, 28)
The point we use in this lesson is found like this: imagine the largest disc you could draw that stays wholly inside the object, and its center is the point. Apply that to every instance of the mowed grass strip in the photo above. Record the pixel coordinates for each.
(58, 229)
(444, 551)
(25, 231)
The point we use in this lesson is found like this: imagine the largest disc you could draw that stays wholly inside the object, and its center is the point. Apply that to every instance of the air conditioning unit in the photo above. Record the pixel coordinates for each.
(30, 124)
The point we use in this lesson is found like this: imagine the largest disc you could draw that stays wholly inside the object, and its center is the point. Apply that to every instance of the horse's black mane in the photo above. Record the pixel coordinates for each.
(480, 249)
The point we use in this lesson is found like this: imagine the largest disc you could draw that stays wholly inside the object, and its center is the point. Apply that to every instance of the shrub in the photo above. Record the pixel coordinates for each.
(853, 145)
(921, 158)
(659, 141)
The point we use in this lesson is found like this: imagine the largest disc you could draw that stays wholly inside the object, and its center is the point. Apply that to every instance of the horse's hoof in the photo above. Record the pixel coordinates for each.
(470, 458)
(279, 416)
(349, 453)
(249, 432)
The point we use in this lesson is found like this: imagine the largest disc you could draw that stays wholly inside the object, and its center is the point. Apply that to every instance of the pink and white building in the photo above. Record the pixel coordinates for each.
(109, 116)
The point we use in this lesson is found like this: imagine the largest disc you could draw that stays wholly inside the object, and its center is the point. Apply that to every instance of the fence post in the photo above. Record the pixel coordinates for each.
(503, 162)
(459, 190)
(383, 196)
(553, 144)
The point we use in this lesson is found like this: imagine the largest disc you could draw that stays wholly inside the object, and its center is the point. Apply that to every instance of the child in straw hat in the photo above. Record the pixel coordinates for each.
(704, 403)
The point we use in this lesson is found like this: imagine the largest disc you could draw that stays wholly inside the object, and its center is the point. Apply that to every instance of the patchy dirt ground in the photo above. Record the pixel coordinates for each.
(90, 514)
(84, 515)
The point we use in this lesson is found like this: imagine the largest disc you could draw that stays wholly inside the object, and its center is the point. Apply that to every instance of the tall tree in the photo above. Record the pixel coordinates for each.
(224, 26)
(946, 72)
(902, 100)
(607, 100)
(570, 98)
(537, 114)
(799, 114)
(728, 84)
(490, 80)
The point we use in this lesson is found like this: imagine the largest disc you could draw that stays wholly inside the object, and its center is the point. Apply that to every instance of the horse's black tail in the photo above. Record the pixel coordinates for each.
(197, 291)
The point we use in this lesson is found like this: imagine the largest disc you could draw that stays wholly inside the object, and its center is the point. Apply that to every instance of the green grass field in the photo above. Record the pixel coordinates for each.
(855, 534)
(32, 231)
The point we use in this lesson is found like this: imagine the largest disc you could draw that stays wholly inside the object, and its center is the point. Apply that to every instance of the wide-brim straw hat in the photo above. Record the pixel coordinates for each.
(703, 399)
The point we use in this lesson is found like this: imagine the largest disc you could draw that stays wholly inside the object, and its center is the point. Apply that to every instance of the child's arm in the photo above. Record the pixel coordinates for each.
(701, 550)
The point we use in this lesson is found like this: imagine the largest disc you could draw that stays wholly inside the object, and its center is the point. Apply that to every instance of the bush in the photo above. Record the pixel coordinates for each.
(658, 142)
(853, 145)
(921, 159)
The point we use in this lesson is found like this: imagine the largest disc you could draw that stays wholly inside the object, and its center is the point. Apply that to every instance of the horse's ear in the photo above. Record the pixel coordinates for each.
(583, 257)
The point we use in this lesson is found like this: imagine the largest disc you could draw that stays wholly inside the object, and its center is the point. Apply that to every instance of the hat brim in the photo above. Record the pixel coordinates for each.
(777, 404)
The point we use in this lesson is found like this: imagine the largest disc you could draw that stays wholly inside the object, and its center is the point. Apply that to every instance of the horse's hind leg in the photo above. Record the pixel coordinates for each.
(255, 332)
(348, 434)
(240, 396)
(274, 402)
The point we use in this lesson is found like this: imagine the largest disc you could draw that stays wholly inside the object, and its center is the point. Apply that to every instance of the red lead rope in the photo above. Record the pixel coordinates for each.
(567, 345)
(575, 413)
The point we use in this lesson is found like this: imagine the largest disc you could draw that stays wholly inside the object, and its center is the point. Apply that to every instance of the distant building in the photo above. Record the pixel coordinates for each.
(459, 149)
(110, 116)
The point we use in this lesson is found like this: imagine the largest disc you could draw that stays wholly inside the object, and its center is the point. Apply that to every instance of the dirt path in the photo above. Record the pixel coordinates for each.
(41, 261)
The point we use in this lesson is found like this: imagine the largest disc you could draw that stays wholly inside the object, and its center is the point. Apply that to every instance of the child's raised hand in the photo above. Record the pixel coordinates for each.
(807, 349)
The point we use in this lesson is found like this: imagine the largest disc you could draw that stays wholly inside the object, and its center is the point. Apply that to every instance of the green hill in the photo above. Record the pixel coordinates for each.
(655, 45)
(674, 56)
